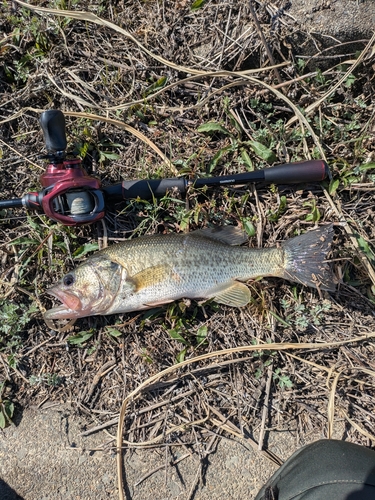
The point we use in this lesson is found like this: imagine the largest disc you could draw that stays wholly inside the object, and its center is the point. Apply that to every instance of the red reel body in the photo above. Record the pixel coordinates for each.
(70, 195)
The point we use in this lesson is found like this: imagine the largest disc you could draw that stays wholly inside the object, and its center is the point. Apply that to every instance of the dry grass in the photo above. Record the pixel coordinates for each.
(107, 78)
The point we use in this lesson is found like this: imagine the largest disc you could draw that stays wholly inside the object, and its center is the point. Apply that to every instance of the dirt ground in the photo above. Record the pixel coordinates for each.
(45, 457)
(160, 89)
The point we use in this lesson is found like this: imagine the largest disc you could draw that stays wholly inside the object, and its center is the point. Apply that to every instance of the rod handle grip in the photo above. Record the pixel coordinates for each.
(145, 189)
(295, 173)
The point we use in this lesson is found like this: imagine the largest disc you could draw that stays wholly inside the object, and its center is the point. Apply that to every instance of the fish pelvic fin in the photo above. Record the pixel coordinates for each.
(234, 294)
(305, 259)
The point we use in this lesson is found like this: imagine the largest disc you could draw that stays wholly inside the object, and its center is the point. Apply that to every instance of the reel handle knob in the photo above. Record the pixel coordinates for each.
(52, 122)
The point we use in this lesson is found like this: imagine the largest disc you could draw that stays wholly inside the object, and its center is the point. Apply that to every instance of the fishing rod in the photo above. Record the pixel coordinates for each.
(72, 197)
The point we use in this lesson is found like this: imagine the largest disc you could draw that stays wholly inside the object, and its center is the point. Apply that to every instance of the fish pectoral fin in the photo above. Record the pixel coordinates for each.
(151, 276)
(236, 295)
(231, 235)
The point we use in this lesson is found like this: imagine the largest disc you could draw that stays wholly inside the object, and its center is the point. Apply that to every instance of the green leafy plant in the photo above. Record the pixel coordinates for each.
(274, 216)
(248, 226)
(212, 128)
(283, 381)
(49, 379)
(300, 317)
(260, 370)
(366, 248)
(314, 215)
(146, 356)
(197, 4)
(89, 144)
(13, 319)
(113, 332)
(262, 151)
(104, 149)
(184, 329)
(157, 85)
(266, 358)
(85, 249)
(80, 338)
(261, 143)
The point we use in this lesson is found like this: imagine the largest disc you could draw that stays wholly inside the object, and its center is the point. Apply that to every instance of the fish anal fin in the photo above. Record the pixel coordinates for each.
(235, 294)
(151, 276)
(231, 235)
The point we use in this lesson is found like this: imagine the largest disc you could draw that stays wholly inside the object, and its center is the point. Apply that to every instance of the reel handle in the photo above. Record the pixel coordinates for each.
(52, 122)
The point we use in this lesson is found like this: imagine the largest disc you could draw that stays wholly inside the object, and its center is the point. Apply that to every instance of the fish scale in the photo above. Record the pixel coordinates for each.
(153, 270)
(198, 263)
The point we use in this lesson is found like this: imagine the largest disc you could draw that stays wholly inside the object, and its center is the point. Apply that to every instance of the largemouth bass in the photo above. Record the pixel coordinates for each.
(153, 270)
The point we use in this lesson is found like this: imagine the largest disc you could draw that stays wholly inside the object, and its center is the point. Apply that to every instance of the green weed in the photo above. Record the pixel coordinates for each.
(80, 339)
(48, 379)
(13, 320)
(314, 215)
(283, 381)
(274, 216)
(185, 329)
(89, 145)
(300, 316)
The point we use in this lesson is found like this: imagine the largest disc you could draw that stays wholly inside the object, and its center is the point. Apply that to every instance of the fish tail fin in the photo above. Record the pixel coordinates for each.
(305, 259)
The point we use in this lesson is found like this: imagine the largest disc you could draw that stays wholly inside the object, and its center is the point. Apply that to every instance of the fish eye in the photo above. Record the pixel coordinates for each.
(68, 280)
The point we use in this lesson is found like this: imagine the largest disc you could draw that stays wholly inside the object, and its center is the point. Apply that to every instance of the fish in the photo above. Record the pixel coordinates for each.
(210, 263)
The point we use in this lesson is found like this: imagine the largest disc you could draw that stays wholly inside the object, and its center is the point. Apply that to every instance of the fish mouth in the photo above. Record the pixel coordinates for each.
(70, 308)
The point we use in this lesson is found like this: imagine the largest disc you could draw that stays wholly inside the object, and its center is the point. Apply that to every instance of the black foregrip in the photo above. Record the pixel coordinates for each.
(52, 122)
(17, 202)
(294, 173)
(146, 189)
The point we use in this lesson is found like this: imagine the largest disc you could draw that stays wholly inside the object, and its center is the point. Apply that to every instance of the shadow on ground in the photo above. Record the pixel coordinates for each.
(8, 493)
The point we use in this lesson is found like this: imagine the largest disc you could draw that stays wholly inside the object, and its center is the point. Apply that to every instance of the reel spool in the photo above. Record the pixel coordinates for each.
(79, 203)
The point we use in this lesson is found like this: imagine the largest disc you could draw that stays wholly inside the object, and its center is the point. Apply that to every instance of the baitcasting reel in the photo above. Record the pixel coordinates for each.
(69, 194)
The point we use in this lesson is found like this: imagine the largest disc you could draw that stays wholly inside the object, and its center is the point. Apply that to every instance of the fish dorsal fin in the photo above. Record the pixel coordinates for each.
(151, 276)
(231, 235)
(236, 295)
